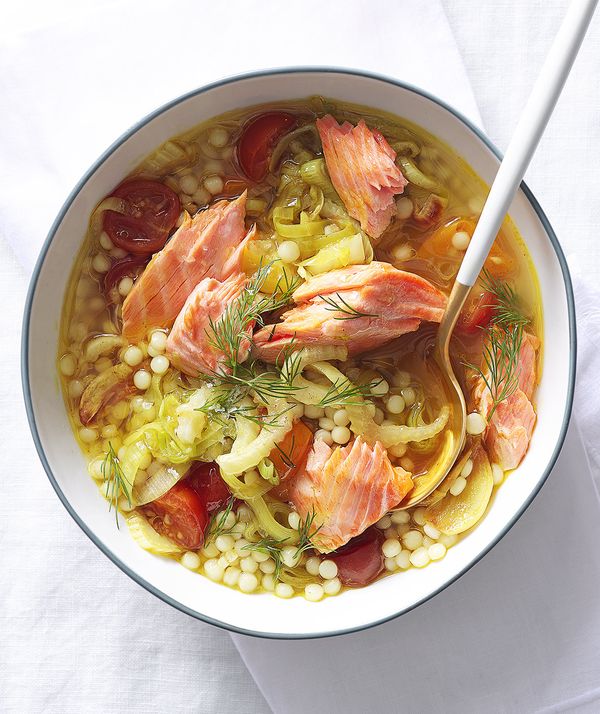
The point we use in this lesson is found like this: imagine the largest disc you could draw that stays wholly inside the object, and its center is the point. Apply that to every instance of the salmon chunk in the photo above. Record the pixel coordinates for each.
(510, 428)
(207, 245)
(189, 345)
(347, 489)
(362, 169)
(377, 304)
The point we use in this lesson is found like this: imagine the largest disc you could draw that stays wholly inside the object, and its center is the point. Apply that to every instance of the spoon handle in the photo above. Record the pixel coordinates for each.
(527, 134)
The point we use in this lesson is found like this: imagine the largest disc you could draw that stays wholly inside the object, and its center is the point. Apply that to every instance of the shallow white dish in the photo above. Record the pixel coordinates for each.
(264, 614)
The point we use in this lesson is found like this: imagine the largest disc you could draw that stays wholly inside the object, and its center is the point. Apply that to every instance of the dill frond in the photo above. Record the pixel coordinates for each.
(305, 534)
(116, 483)
(348, 312)
(270, 547)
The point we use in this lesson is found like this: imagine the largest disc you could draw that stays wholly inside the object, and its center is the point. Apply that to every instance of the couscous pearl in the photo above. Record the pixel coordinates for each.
(384, 522)
(268, 567)
(395, 404)
(398, 450)
(403, 559)
(248, 582)
(312, 412)
(407, 464)
(332, 587)
(142, 379)
(448, 540)
(427, 541)
(420, 557)
(226, 520)
(87, 435)
(326, 423)
(101, 263)
(409, 395)
(240, 547)
(138, 404)
(379, 416)
(401, 379)
(497, 474)
(105, 241)
(458, 486)
(404, 208)
(259, 556)
(214, 570)
(158, 340)
(418, 516)
(294, 520)
(96, 469)
(431, 531)
(268, 582)
(436, 551)
(402, 528)
(133, 356)
(201, 197)
(340, 434)
(120, 410)
(248, 565)
(380, 387)
(289, 556)
(218, 137)
(475, 424)
(390, 532)
(190, 560)
(412, 540)
(391, 548)
(467, 468)
(324, 435)
(224, 543)
(230, 557)
(341, 417)
(390, 564)
(188, 184)
(288, 251)
(313, 592)
(68, 365)
(231, 576)
(461, 240)
(284, 590)
(312, 565)
(125, 286)
(328, 569)
(244, 514)
(213, 184)
(118, 253)
(237, 530)
(399, 517)
(159, 364)
(75, 389)
(109, 431)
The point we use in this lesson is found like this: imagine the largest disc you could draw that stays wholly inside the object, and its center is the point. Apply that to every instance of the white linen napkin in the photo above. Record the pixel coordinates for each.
(509, 635)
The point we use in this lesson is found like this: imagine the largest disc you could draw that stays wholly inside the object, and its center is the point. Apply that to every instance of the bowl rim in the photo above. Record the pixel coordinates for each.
(25, 336)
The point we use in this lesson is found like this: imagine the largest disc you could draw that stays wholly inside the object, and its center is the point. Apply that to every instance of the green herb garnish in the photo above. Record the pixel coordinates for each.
(115, 481)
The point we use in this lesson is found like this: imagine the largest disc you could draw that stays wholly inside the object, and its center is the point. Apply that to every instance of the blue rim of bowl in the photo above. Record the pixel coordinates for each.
(40, 261)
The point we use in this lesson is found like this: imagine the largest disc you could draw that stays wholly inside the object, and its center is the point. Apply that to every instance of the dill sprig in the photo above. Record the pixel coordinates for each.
(286, 456)
(507, 311)
(342, 391)
(116, 483)
(348, 312)
(305, 534)
(271, 547)
(216, 526)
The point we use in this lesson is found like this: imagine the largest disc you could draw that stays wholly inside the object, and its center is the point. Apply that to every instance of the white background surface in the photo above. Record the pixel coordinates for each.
(503, 44)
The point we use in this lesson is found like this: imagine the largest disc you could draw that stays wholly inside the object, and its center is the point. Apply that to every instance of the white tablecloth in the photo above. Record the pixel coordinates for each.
(77, 635)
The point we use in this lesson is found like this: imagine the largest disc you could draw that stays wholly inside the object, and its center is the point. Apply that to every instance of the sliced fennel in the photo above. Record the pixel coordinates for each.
(146, 537)
(348, 251)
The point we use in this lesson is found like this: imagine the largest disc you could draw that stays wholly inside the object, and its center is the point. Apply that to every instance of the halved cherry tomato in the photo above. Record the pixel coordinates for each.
(180, 515)
(257, 141)
(206, 481)
(129, 266)
(478, 314)
(360, 561)
(151, 211)
(291, 457)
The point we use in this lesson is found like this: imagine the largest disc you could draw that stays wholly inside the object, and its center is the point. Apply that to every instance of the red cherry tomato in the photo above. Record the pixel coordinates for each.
(206, 481)
(290, 458)
(478, 314)
(129, 266)
(257, 141)
(151, 211)
(179, 515)
(360, 561)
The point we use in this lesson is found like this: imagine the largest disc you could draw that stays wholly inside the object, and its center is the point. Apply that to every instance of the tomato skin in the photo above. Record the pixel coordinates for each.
(187, 513)
(151, 211)
(257, 140)
(295, 445)
(360, 561)
(205, 479)
(478, 314)
(128, 266)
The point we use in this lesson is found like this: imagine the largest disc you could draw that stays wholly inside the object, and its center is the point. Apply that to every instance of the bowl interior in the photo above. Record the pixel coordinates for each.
(265, 614)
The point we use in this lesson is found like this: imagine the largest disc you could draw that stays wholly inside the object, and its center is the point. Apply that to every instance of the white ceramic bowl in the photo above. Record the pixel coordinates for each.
(265, 614)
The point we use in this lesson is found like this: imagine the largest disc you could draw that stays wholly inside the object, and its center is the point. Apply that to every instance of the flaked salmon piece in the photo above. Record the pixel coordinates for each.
(362, 169)
(347, 489)
(207, 245)
(510, 428)
(389, 303)
(189, 345)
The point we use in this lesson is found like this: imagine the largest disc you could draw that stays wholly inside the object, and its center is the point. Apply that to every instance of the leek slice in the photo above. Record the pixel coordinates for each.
(348, 251)
(415, 176)
(268, 524)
